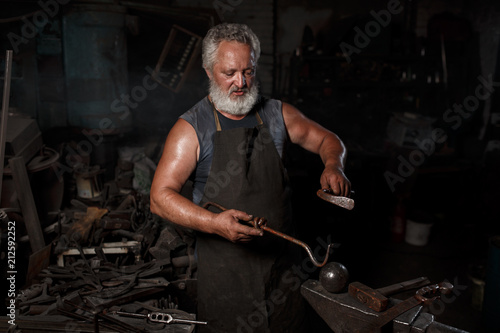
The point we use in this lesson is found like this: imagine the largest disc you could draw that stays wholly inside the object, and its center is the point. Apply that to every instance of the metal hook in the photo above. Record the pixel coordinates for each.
(260, 223)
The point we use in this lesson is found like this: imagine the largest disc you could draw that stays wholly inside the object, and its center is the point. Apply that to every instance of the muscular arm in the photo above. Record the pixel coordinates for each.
(317, 139)
(178, 161)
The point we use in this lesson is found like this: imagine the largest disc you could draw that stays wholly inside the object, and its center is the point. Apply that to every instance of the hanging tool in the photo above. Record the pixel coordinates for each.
(260, 223)
(344, 202)
(160, 317)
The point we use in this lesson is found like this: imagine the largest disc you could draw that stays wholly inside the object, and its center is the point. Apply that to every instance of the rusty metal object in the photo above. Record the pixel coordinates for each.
(444, 288)
(419, 298)
(405, 285)
(80, 230)
(260, 223)
(344, 202)
(376, 298)
(108, 223)
(366, 295)
(38, 261)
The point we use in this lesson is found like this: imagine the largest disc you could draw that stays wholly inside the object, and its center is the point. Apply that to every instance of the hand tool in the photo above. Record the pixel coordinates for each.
(260, 223)
(376, 298)
(344, 202)
(161, 317)
(419, 298)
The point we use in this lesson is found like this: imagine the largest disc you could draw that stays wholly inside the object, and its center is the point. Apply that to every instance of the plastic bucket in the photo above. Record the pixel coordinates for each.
(417, 233)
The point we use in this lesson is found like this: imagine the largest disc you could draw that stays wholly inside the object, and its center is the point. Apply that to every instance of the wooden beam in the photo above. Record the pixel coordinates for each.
(5, 112)
(27, 203)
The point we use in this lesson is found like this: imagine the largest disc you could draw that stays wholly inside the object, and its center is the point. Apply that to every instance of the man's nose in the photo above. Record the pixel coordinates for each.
(240, 80)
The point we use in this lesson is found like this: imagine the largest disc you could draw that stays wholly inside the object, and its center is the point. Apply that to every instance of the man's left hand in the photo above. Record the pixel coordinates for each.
(334, 179)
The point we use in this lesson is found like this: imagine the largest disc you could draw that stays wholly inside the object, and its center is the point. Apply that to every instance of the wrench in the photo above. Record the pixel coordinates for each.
(160, 317)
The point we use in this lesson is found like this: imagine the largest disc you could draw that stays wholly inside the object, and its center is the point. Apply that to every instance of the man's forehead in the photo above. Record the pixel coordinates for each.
(235, 55)
(228, 48)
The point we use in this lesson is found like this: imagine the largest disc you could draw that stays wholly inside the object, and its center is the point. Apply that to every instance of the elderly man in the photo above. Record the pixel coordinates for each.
(231, 144)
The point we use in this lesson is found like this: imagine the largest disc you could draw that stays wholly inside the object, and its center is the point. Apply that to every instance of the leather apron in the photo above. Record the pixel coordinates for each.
(248, 287)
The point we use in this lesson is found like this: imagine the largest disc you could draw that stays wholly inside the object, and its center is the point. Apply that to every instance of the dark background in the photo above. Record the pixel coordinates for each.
(421, 64)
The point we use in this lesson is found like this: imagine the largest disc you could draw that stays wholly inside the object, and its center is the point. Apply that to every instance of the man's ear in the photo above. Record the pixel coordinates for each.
(209, 73)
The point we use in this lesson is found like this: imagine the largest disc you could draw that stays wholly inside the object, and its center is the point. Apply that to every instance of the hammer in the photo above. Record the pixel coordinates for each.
(376, 299)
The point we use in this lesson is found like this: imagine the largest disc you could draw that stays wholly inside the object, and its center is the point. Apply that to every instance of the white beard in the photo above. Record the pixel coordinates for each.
(237, 105)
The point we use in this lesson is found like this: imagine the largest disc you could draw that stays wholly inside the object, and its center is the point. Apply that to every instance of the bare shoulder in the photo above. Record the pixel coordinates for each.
(296, 123)
(182, 142)
(182, 130)
(290, 112)
(179, 158)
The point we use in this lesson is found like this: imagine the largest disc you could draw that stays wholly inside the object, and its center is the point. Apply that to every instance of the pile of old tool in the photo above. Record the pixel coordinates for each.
(115, 268)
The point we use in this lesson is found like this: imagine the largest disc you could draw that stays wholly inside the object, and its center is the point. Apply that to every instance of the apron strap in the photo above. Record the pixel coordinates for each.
(217, 122)
(259, 119)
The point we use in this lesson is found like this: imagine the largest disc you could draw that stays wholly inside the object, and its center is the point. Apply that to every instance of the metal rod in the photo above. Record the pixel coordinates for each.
(304, 245)
(260, 223)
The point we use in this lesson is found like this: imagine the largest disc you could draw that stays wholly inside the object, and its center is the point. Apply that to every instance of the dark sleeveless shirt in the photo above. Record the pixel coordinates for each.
(201, 117)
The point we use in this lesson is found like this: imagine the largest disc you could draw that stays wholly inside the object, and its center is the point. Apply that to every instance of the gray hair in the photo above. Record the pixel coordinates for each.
(227, 32)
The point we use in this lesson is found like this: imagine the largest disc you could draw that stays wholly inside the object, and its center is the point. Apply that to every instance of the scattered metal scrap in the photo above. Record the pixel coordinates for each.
(110, 257)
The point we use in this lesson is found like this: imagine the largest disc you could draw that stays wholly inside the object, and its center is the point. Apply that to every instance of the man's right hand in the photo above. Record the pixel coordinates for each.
(229, 224)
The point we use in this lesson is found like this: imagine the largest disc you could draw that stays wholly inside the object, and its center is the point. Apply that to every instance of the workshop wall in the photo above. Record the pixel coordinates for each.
(302, 62)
